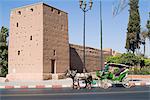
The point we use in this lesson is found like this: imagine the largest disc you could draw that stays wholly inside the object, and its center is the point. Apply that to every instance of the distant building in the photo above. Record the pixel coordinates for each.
(39, 47)
(115, 53)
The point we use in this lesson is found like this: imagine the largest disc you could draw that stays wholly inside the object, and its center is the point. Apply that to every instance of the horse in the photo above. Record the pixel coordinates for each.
(72, 75)
(87, 77)
(76, 77)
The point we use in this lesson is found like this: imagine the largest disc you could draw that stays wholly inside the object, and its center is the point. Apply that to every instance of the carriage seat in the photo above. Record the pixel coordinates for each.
(117, 74)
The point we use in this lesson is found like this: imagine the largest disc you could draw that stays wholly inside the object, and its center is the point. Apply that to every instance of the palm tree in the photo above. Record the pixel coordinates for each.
(144, 34)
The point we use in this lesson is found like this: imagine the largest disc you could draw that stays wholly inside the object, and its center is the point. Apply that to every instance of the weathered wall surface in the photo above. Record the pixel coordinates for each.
(38, 36)
(56, 42)
(39, 44)
(26, 42)
(92, 58)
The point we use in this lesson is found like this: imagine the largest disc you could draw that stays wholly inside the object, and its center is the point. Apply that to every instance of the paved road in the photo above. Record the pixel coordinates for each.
(115, 93)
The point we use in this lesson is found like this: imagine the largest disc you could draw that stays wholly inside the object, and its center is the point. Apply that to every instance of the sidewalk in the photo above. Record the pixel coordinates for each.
(139, 80)
(62, 83)
(38, 84)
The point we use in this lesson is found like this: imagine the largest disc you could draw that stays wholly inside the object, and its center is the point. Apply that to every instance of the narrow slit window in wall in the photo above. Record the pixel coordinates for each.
(19, 12)
(52, 9)
(18, 52)
(59, 12)
(30, 37)
(17, 25)
(31, 9)
(54, 52)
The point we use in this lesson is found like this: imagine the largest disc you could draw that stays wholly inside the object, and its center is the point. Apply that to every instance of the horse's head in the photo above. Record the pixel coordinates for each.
(71, 73)
(67, 73)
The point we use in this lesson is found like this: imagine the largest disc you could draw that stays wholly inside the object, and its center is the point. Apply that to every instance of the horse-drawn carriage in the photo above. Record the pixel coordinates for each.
(113, 74)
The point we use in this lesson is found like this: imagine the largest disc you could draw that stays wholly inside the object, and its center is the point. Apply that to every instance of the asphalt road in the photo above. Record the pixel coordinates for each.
(115, 93)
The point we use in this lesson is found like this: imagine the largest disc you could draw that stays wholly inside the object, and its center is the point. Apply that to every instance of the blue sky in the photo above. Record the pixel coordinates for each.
(114, 28)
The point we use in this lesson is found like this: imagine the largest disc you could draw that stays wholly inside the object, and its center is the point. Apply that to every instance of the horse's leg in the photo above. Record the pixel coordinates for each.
(86, 83)
(90, 85)
(78, 84)
(90, 82)
(73, 83)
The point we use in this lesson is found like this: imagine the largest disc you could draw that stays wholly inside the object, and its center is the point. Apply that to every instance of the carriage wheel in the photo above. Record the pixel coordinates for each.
(105, 84)
(82, 83)
(125, 83)
(89, 86)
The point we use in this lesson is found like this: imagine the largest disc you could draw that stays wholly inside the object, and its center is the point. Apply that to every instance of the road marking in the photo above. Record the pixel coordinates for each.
(16, 86)
(31, 86)
(2, 87)
(148, 83)
(48, 86)
(137, 83)
(67, 94)
(66, 86)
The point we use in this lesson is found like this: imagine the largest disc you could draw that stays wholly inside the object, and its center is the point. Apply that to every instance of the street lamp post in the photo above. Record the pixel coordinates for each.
(101, 35)
(83, 6)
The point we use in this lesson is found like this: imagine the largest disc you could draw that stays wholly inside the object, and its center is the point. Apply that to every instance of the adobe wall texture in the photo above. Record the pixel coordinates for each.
(26, 36)
(56, 42)
(92, 58)
(38, 35)
(39, 45)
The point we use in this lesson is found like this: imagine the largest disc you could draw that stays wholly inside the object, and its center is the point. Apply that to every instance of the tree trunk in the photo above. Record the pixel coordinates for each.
(144, 49)
(149, 48)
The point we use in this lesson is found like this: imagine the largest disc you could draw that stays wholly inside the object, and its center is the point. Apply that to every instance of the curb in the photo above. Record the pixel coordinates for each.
(64, 86)
(139, 83)
(139, 76)
(35, 86)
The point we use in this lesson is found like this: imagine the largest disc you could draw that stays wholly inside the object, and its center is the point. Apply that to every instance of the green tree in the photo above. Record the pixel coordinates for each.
(133, 30)
(126, 58)
(129, 59)
(3, 51)
(143, 36)
(113, 59)
(147, 62)
(148, 27)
